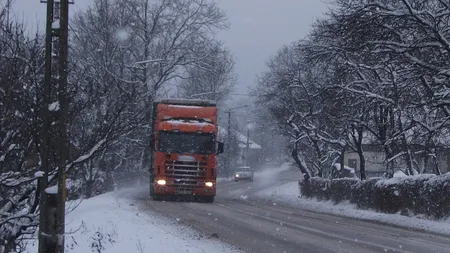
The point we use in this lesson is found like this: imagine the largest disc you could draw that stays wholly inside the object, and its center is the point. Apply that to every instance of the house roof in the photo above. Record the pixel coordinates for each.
(242, 139)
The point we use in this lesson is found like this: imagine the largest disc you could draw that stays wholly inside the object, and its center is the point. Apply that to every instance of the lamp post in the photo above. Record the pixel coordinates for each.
(228, 148)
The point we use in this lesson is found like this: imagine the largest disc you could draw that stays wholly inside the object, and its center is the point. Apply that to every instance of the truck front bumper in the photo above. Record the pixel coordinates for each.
(172, 190)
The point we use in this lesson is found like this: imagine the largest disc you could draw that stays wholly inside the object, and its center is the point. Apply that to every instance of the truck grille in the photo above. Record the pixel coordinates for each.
(185, 176)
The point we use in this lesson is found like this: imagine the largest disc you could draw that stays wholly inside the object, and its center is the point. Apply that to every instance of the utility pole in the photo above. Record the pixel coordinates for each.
(227, 164)
(8, 12)
(248, 144)
(52, 204)
(44, 240)
(63, 100)
(228, 146)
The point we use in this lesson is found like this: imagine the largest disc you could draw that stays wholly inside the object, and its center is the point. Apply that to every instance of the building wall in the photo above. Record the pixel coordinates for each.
(375, 163)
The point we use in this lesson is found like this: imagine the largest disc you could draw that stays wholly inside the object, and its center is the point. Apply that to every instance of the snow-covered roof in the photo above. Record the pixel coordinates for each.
(338, 167)
(241, 138)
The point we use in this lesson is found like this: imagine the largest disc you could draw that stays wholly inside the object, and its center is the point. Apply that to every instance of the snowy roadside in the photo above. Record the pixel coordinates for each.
(289, 194)
(223, 179)
(111, 223)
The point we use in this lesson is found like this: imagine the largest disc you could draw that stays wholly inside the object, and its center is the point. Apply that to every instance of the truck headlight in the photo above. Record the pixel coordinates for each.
(209, 184)
(161, 182)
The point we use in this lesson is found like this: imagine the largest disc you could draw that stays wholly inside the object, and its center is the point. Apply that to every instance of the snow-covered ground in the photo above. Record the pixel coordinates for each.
(112, 223)
(223, 179)
(289, 194)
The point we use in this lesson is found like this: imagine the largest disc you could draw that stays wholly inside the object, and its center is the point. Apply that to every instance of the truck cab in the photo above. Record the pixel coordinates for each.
(186, 145)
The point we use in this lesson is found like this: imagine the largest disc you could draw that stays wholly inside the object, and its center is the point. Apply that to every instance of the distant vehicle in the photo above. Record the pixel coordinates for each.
(243, 173)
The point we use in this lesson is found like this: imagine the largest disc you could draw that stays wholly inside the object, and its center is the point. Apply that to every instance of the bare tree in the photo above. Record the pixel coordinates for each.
(20, 78)
(168, 36)
(378, 69)
(212, 78)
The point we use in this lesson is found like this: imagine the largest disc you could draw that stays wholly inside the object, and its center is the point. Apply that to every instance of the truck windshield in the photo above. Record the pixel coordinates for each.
(186, 143)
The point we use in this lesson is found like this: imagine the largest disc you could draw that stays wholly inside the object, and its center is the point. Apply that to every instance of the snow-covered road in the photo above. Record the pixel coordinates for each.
(265, 215)
(113, 223)
(254, 217)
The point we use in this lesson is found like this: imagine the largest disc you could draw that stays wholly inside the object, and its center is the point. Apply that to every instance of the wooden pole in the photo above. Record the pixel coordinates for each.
(63, 100)
(45, 142)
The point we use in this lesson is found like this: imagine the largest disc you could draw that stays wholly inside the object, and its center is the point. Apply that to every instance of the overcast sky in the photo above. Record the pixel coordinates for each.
(258, 28)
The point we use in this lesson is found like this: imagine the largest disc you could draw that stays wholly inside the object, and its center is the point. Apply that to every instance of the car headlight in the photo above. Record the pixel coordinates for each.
(209, 184)
(161, 182)
(237, 175)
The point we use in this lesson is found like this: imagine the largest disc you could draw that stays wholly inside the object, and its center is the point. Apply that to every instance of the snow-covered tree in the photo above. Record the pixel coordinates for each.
(20, 77)
(212, 78)
(369, 69)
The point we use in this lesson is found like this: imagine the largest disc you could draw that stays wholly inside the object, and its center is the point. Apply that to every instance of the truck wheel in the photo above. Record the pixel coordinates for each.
(209, 199)
(152, 192)
(157, 197)
(152, 187)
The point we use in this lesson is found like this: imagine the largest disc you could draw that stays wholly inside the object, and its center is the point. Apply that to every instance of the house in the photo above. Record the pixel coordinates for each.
(375, 158)
(250, 155)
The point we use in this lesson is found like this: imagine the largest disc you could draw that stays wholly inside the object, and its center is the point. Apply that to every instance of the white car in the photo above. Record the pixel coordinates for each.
(244, 173)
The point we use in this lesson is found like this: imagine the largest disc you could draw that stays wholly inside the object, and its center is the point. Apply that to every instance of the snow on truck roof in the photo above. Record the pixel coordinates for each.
(177, 102)
(190, 122)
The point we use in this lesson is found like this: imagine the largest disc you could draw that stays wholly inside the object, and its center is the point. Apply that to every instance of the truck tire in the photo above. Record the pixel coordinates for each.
(157, 197)
(152, 187)
(209, 199)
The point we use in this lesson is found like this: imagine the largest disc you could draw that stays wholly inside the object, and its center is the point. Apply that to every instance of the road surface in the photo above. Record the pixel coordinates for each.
(256, 225)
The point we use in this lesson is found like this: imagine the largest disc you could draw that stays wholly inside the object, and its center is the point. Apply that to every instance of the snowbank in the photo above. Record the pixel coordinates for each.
(110, 223)
(289, 194)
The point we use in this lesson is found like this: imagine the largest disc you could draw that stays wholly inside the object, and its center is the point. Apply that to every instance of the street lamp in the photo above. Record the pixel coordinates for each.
(227, 166)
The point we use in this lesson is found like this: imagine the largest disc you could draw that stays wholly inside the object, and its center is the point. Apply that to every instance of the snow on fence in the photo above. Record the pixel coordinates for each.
(427, 195)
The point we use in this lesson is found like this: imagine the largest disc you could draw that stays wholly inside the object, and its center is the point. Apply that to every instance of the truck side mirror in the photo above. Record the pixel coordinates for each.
(153, 138)
(220, 148)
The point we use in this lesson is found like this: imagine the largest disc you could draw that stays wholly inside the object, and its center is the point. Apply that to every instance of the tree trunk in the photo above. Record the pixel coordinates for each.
(362, 163)
(319, 157)
(362, 159)
(342, 162)
(301, 165)
(389, 165)
(436, 163)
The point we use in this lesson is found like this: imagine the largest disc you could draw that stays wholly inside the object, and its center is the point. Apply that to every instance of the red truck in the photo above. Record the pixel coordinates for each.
(185, 138)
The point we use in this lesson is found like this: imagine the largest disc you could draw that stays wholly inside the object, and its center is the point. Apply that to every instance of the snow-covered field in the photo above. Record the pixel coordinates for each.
(289, 194)
(111, 223)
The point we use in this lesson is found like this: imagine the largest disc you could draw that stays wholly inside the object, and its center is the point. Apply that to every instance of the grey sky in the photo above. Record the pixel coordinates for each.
(258, 28)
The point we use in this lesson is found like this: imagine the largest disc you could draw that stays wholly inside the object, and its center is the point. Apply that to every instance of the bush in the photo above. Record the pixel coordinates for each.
(363, 193)
(315, 187)
(341, 189)
(435, 195)
(387, 197)
(413, 198)
(421, 194)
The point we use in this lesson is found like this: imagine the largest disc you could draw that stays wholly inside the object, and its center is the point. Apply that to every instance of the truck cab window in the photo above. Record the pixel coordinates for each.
(186, 143)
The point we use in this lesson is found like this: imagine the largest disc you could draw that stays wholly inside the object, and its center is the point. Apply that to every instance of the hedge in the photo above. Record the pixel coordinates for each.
(425, 194)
